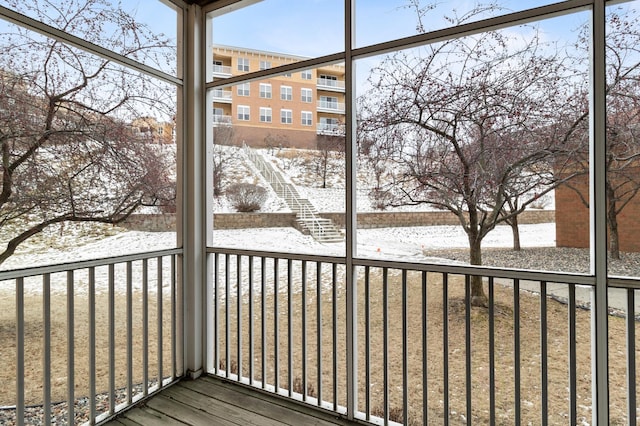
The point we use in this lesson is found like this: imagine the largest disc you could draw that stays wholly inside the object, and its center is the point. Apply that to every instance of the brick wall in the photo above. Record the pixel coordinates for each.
(572, 219)
(254, 136)
(572, 216)
(166, 222)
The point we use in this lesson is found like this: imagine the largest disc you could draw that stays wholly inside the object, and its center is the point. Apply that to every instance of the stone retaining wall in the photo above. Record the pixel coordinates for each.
(167, 222)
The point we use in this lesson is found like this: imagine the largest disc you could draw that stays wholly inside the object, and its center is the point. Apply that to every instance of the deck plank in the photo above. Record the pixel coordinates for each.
(144, 415)
(278, 409)
(214, 401)
(216, 408)
(187, 414)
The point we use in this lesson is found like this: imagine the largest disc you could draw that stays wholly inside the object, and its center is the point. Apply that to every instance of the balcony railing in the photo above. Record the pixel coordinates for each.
(221, 95)
(422, 354)
(222, 120)
(331, 106)
(331, 85)
(221, 71)
(397, 342)
(330, 129)
(104, 332)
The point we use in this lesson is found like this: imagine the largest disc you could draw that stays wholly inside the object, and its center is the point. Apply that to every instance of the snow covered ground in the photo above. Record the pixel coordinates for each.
(389, 243)
(70, 243)
(403, 244)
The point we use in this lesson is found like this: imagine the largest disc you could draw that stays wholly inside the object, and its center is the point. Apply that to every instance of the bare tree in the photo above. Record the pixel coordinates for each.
(277, 141)
(327, 148)
(222, 136)
(464, 120)
(68, 150)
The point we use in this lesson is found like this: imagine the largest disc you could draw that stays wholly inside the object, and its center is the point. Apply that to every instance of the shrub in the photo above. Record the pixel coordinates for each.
(246, 197)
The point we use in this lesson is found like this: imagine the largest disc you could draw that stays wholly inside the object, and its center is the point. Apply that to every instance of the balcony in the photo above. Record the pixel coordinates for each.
(221, 71)
(222, 120)
(330, 107)
(222, 96)
(330, 129)
(330, 85)
(286, 330)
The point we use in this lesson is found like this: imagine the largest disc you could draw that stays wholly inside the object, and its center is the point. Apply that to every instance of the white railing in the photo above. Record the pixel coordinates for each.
(425, 355)
(222, 70)
(221, 95)
(327, 83)
(107, 336)
(222, 119)
(330, 129)
(331, 106)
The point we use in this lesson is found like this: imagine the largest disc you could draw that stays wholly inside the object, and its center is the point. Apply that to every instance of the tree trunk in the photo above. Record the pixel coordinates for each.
(478, 297)
(516, 232)
(614, 238)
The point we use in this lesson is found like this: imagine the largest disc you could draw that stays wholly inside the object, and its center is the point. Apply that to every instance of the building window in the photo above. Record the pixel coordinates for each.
(243, 89)
(307, 95)
(286, 93)
(265, 90)
(265, 65)
(243, 64)
(160, 130)
(286, 116)
(328, 77)
(306, 75)
(265, 115)
(243, 112)
(307, 118)
(287, 74)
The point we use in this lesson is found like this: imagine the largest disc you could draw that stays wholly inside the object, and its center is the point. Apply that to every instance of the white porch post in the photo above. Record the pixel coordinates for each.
(598, 171)
(194, 198)
(350, 215)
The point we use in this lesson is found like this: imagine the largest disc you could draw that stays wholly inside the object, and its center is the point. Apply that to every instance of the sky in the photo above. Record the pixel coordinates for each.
(315, 27)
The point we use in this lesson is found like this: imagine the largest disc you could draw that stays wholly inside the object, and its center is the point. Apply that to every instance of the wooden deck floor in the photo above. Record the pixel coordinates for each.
(211, 401)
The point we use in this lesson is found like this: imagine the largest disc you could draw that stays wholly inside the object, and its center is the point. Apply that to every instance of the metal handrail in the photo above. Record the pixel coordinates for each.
(304, 210)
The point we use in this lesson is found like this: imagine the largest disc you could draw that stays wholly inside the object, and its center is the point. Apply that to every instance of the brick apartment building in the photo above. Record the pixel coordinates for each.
(289, 110)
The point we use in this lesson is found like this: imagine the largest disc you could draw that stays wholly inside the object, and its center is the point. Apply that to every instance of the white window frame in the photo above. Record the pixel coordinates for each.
(306, 118)
(286, 116)
(243, 64)
(244, 89)
(265, 65)
(265, 90)
(286, 93)
(306, 75)
(306, 95)
(265, 115)
(244, 113)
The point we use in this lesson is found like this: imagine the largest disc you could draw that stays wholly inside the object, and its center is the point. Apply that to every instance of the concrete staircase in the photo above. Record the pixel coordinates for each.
(308, 220)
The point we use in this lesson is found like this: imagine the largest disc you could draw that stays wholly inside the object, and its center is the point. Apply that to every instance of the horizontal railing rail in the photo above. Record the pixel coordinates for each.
(92, 337)
(424, 353)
